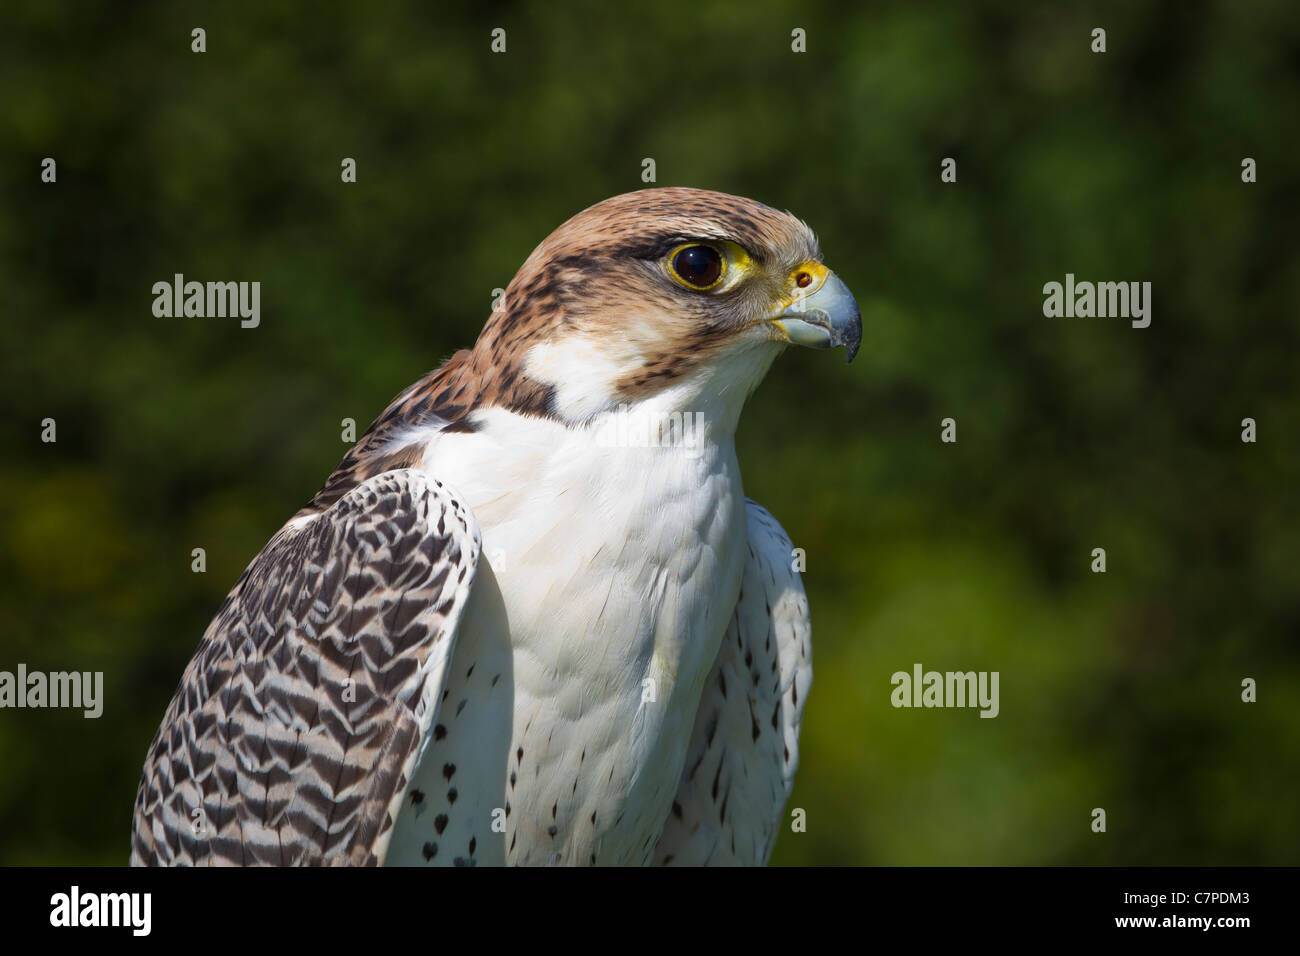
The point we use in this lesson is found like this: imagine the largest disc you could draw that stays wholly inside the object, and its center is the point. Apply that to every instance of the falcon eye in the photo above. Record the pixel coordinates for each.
(697, 267)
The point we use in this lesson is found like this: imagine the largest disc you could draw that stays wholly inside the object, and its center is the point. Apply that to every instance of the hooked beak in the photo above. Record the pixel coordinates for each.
(822, 316)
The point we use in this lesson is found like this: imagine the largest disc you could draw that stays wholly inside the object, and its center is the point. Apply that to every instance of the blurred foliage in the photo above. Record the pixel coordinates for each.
(1118, 690)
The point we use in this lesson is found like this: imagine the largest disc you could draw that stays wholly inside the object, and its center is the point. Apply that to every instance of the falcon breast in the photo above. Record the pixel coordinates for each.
(531, 617)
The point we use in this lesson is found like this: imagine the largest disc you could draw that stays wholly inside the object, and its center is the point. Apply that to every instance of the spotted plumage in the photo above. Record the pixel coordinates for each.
(745, 746)
(498, 636)
(295, 731)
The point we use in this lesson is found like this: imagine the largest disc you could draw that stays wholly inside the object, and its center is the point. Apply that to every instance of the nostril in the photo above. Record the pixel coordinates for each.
(803, 280)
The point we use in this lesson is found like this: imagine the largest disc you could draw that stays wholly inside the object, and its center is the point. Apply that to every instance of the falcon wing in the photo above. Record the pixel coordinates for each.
(309, 701)
(745, 746)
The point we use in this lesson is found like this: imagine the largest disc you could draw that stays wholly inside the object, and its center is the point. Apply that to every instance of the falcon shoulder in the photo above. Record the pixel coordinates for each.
(303, 713)
(744, 748)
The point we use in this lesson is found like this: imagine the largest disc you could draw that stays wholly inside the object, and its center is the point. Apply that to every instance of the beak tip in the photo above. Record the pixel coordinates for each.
(854, 339)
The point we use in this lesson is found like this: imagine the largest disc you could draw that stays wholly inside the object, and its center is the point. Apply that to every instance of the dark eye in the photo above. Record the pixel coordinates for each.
(699, 267)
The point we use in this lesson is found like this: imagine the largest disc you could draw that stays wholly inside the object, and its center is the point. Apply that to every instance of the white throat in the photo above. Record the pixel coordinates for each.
(585, 375)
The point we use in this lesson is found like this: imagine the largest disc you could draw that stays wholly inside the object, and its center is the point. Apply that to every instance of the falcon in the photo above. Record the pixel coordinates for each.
(506, 631)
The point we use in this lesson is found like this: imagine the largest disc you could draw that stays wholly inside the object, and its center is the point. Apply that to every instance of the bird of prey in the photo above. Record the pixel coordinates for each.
(531, 617)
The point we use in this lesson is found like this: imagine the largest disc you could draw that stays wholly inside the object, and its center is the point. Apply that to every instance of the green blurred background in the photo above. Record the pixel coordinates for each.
(1118, 690)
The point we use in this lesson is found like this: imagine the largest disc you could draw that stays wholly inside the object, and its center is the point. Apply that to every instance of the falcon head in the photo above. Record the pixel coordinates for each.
(684, 296)
(661, 301)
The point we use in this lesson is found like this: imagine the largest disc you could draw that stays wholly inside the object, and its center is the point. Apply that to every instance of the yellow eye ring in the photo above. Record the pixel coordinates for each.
(697, 266)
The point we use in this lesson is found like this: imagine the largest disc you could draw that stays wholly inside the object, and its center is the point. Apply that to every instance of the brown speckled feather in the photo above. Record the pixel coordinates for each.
(298, 722)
